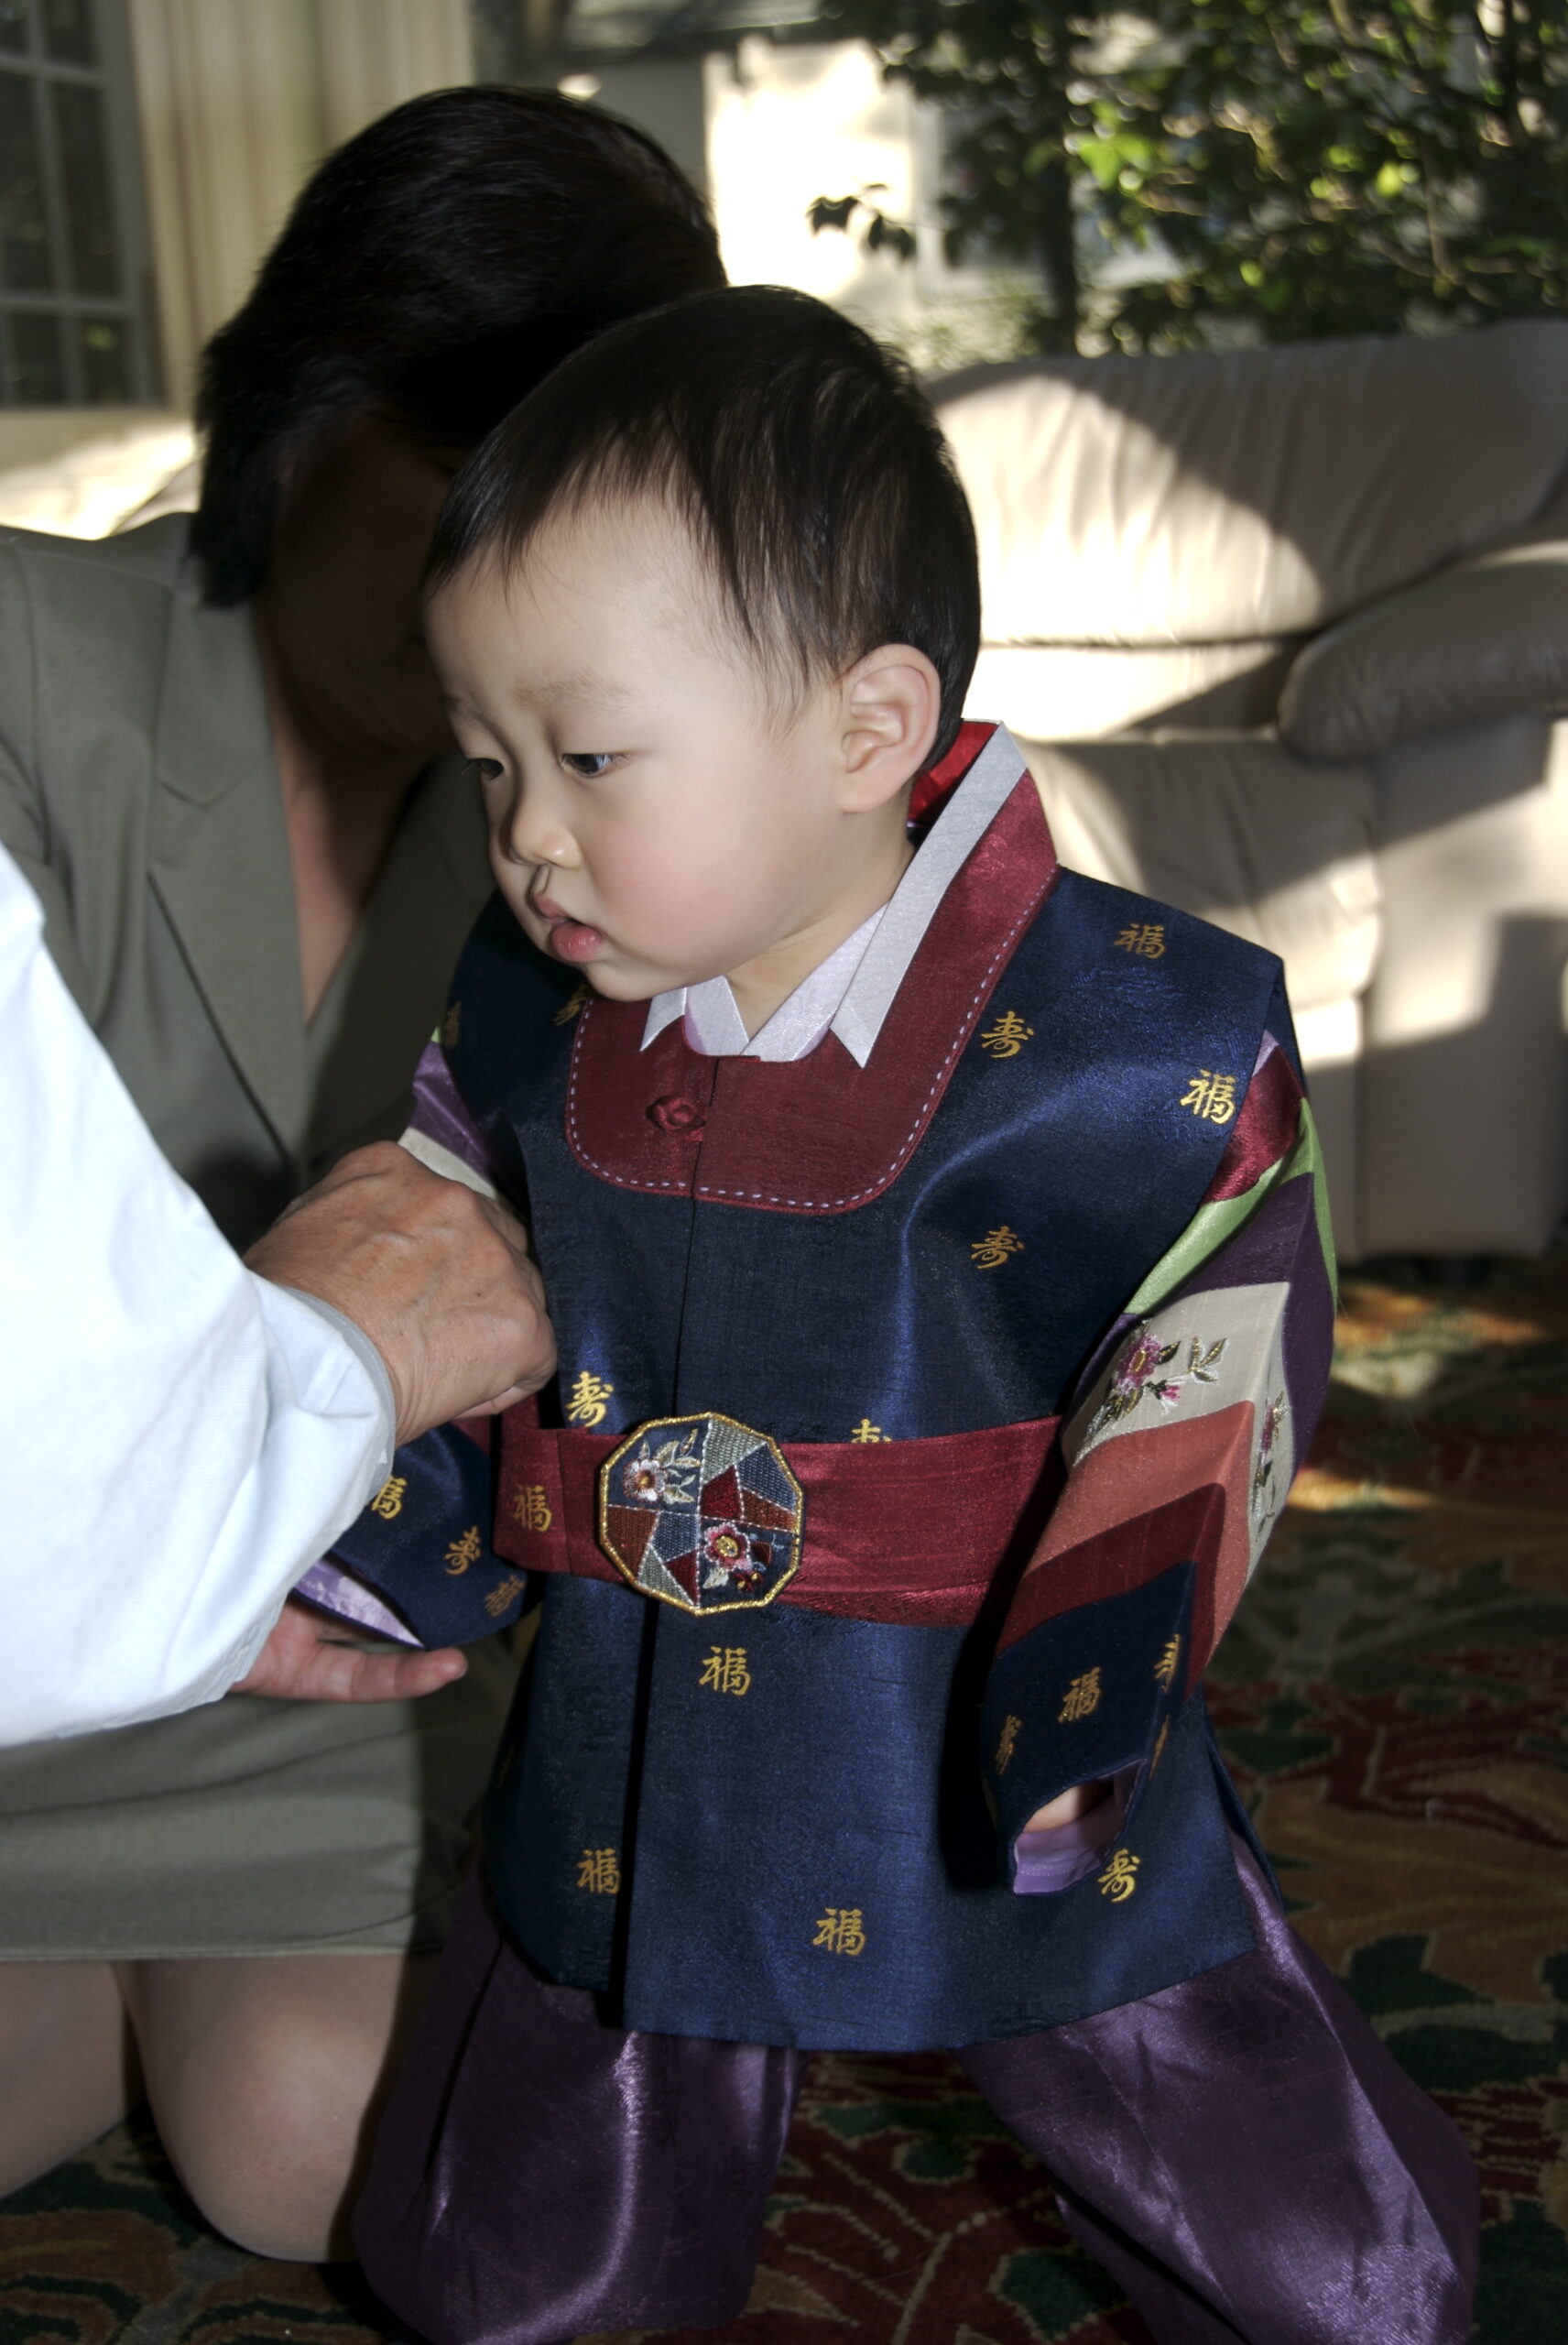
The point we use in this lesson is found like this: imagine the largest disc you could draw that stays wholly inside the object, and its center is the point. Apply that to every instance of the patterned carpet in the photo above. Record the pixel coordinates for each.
(1393, 1700)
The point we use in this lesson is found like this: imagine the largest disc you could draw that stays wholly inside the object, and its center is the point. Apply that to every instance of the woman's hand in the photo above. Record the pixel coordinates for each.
(1067, 1807)
(310, 1657)
(439, 1278)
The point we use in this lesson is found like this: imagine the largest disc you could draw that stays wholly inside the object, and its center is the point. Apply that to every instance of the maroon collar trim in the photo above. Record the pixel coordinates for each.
(671, 1121)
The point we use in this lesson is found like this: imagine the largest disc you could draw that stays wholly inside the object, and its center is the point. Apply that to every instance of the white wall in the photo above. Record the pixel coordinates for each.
(790, 123)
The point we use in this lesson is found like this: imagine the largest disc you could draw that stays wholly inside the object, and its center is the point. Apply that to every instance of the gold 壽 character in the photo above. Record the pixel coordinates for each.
(867, 1431)
(530, 1507)
(598, 1870)
(1007, 1742)
(463, 1551)
(1081, 1698)
(388, 1499)
(589, 1395)
(1211, 1097)
(1007, 1036)
(1119, 1882)
(1165, 1667)
(1146, 940)
(569, 1007)
(841, 1930)
(501, 1595)
(991, 1252)
(725, 1671)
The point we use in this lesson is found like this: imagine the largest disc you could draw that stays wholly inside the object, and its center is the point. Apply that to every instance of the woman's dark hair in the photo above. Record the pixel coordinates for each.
(433, 271)
(804, 457)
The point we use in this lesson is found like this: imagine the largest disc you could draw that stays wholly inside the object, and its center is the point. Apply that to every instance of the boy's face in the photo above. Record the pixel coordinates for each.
(654, 818)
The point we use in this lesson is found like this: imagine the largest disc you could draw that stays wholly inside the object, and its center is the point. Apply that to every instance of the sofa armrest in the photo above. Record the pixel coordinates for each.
(1486, 638)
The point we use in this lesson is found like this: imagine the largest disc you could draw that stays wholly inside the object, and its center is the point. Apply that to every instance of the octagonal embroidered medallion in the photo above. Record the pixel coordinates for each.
(702, 1512)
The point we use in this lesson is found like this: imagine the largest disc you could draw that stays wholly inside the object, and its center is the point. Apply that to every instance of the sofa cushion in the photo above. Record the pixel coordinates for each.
(1486, 638)
(1081, 692)
(1236, 830)
(1225, 495)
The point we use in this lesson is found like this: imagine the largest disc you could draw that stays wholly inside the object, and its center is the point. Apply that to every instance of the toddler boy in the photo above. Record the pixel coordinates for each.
(935, 1248)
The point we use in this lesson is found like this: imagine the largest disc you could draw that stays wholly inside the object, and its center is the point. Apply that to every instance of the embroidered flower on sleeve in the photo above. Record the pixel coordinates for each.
(1137, 1373)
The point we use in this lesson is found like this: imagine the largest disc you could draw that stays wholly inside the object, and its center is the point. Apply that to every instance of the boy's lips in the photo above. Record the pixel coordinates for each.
(569, 939)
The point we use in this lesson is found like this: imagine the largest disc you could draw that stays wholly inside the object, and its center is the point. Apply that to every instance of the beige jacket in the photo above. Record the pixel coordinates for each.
(139, 794)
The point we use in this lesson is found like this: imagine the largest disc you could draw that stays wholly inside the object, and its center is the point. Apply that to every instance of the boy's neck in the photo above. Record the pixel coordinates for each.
(762, 985)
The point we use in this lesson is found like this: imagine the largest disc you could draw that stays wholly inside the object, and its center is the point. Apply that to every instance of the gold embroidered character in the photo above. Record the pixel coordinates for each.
(1210, 1097)
(569, 1007)
(531, 1508)
(841, 1930)
(1082, 1699)
(1160, 1740)
(1147, 939)
(463, 1551)
(867, 1431)
(725, 1671)
(452, 1027)
(1119, 1880)
(589, 1396)
(1006, 1036)
(597, 1870)
(1007, 1742)
(501, 1595)
(388, 1499)
(1165, 1667)
(988, 1253)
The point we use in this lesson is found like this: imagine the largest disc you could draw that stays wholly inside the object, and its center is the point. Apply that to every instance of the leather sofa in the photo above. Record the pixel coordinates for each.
(1284, 634)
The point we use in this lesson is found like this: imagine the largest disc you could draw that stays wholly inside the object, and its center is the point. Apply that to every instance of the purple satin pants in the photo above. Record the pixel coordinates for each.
(1240, 2152)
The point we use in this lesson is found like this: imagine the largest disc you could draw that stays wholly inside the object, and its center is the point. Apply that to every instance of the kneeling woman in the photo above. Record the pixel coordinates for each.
(228, 775)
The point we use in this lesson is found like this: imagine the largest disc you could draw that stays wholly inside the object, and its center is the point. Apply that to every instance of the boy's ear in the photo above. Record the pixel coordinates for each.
(891, 708)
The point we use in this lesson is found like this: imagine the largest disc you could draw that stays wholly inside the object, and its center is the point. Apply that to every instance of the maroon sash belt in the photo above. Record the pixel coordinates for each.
(911, 1533)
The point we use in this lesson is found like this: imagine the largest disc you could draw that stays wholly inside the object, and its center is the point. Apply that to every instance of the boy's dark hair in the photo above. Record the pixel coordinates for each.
(810, 466)
(433, 271)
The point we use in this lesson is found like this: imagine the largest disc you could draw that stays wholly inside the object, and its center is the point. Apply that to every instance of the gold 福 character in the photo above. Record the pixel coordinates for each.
(841, 1930)
(1081, 1698)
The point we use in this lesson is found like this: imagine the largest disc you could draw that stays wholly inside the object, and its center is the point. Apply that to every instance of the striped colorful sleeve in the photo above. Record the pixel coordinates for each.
(1189, 1427)
(1180, 1446)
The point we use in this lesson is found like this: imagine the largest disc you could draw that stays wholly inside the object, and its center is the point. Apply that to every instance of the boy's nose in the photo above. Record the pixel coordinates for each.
(533, 835)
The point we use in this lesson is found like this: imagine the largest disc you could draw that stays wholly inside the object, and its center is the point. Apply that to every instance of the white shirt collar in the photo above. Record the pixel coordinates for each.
(851, 992)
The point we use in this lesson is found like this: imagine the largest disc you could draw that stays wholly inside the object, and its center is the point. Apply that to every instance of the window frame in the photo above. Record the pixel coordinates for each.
(133, 306)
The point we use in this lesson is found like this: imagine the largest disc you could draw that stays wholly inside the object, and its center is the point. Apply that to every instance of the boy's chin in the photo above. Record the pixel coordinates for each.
(628, 985)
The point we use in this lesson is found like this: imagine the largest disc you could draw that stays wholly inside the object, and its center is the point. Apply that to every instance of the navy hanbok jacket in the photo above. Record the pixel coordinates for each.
(918, 1425)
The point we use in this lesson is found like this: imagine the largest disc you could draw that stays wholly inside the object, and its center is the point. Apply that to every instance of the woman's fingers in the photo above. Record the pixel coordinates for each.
(310, 1658)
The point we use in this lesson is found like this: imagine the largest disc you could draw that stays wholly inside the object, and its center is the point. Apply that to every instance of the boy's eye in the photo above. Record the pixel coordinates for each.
(487, 768)
(588, 764)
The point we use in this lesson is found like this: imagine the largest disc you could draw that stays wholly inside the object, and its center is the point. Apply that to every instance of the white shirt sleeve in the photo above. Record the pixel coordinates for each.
(179, 1440)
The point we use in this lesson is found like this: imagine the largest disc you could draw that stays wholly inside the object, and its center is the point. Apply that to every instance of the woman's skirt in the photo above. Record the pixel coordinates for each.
(250, 1826)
